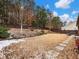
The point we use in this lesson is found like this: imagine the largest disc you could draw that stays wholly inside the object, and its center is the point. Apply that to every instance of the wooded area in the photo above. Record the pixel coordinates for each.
(26, 13)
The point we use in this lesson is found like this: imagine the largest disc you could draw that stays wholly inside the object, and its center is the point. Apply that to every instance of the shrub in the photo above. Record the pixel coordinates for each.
(41, 33)
(3, 32)
(34, 23)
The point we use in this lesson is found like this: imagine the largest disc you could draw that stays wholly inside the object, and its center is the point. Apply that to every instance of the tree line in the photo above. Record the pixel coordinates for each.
(13, 12)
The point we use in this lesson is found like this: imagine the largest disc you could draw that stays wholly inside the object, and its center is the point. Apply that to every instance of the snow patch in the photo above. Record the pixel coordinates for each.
(63, 45)
(59, 48)
(5, 43)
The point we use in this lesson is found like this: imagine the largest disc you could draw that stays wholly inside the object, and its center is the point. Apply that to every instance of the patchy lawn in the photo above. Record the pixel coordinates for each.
(32, 46)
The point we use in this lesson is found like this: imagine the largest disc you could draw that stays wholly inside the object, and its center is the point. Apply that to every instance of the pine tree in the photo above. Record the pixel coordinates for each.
(56, 23)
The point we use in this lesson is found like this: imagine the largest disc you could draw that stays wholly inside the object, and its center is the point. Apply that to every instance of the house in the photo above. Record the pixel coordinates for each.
(77, 24)
(70, 26)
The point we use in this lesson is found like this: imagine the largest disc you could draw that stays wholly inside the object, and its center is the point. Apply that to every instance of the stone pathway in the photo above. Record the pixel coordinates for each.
(52, 54)
(56, 51)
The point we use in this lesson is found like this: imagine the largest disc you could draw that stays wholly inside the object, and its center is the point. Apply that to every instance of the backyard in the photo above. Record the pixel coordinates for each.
(33, 46)
(39, 29)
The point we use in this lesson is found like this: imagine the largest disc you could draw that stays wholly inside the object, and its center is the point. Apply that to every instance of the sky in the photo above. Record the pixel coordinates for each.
(67, 10)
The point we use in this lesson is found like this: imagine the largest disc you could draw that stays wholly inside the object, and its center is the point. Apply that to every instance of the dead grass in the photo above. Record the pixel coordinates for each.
(27, 32)
(69, 52)
(33, 46)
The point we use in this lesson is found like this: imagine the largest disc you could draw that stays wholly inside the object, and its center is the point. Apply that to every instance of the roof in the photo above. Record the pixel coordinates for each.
(70, 26)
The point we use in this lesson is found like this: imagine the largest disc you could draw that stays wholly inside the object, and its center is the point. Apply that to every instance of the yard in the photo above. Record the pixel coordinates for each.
(33, 46)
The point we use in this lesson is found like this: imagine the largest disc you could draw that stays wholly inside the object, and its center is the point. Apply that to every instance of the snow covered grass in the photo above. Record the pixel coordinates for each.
(5, 43)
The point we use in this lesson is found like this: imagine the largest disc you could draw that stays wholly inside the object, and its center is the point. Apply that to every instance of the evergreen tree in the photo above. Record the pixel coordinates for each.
(56, 23)
(4, 4)
(41, 18)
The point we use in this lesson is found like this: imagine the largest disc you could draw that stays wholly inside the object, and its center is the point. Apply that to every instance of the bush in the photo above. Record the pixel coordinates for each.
(3, 32)
(34, 23)
(41, 33)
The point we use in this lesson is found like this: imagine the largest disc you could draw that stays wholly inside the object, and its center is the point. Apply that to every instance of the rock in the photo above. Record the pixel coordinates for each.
(18, 36)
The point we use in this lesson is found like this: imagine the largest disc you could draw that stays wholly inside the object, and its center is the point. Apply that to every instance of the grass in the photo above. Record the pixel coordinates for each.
(69, 52)
(33, 46)
(4, 32)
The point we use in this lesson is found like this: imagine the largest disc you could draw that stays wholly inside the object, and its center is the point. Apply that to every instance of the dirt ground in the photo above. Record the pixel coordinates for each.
(34, 45)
